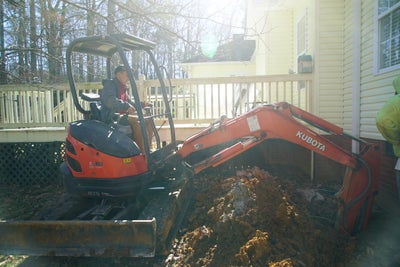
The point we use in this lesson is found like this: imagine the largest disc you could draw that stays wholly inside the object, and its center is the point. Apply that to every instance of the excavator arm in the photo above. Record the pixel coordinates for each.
(287, 122)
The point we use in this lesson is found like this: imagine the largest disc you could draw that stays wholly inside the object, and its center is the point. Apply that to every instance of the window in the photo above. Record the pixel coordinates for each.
(389, 34)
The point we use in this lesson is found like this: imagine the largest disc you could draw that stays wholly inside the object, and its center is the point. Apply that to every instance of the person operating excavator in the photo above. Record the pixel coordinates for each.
(115, 98)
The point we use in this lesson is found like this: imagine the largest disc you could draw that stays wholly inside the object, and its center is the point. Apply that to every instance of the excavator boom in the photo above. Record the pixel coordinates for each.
(279, 121)
(287, 122)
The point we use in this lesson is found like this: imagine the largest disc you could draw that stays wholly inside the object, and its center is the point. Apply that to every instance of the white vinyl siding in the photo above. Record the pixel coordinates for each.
(369, 84)
(376, 88)
(328, 102)
(348, 66)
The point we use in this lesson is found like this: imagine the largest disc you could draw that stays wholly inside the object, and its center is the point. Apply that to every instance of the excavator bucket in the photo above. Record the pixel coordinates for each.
(360, 187)
(124, 238)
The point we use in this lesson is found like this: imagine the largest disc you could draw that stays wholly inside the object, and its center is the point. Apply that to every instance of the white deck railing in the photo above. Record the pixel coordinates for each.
(192, 101)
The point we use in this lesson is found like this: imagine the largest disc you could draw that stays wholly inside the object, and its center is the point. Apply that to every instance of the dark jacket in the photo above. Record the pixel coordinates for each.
(109, 97)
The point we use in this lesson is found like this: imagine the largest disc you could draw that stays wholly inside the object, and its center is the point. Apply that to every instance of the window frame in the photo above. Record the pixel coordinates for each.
(377, 39)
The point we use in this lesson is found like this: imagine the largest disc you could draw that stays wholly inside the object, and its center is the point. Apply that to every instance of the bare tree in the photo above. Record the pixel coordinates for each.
(111, 17)
(33, 38)
(21, 43)
(54, 19)
(37, 31)
(3, 76)
(91, 4)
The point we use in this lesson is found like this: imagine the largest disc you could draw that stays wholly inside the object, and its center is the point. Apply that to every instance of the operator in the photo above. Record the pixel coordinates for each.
(388, 124)
(114, 96)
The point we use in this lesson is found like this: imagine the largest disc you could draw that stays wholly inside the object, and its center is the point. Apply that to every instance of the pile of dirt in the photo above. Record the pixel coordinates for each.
(254, 218)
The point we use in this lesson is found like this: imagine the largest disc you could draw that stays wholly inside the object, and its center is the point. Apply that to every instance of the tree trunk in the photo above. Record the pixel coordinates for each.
(91, 5)
(33, 38)
(3, 74)
(21, 42)
(111, 18)
(54, 23)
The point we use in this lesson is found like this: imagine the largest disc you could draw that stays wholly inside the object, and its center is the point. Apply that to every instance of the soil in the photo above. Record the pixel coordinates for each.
(249, 217)
(254, 218)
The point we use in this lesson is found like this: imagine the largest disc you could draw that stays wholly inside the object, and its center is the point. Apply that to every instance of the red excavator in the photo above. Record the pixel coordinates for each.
(125, 202)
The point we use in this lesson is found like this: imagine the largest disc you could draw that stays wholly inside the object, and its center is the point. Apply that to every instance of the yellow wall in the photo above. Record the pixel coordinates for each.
(272, 29)
(219, 69)
(277, 47)
(276, 44)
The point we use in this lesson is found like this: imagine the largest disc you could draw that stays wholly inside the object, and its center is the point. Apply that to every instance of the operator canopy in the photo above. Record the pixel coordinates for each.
(106, 45)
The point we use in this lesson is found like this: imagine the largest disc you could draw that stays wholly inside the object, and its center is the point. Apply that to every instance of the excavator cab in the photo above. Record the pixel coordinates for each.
(101, 157)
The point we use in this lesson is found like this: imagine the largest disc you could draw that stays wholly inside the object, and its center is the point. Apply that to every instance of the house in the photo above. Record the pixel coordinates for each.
(234, 58)
(354, 45)
(355, 50)
(352, 48)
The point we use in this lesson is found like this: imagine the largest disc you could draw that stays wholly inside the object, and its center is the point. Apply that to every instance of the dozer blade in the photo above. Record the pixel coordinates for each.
(124, 238)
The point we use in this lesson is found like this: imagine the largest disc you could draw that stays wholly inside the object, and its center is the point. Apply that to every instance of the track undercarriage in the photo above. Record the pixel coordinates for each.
(139, 227)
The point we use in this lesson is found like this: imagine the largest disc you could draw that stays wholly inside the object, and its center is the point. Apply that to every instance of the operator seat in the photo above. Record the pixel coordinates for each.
(94, 105)
(102, 114)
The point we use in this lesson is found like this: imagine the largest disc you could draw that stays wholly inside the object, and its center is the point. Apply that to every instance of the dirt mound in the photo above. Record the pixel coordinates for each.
(253, 218)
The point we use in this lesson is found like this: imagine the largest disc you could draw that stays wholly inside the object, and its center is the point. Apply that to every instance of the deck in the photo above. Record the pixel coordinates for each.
(41, 112)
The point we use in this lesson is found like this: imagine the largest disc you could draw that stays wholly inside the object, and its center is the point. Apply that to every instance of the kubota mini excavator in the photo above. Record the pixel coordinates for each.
(130, 203)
